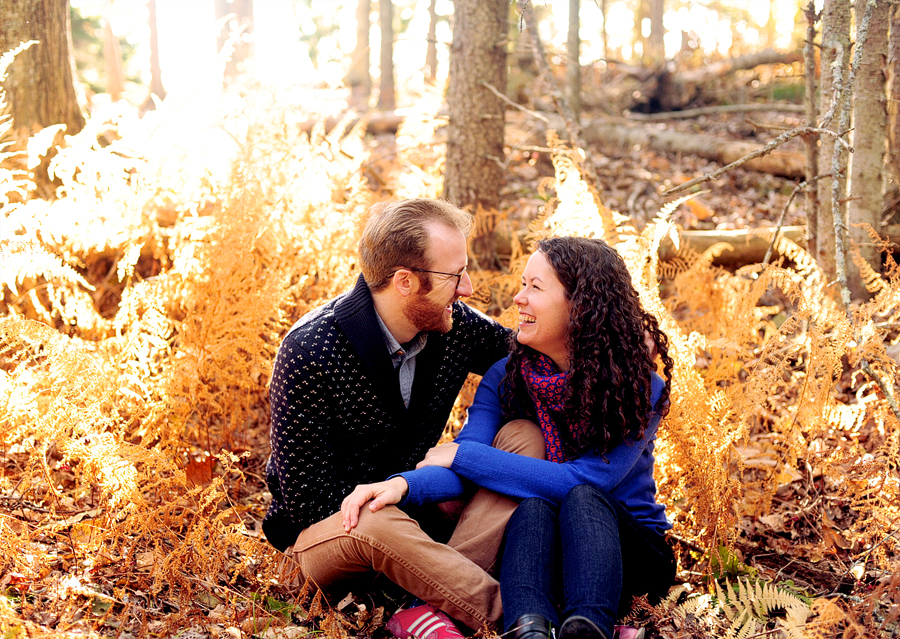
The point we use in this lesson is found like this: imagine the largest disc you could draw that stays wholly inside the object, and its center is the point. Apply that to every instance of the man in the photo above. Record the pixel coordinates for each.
(361, 389)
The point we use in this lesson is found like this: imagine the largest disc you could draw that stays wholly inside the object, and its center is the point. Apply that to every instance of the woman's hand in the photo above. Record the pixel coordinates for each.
(382, 494)
(441, 455)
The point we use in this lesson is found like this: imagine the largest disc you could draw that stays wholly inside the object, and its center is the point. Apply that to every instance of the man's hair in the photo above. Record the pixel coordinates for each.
(396, 235)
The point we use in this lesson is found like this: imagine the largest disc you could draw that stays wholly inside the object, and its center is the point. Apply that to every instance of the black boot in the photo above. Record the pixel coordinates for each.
(578, 627)
(532, 627)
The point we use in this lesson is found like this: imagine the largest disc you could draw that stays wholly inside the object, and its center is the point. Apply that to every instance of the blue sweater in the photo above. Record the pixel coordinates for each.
(625, 472)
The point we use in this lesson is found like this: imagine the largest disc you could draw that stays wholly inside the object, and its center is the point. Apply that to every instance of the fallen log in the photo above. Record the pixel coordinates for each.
(749, 246)
(666, 89)
(714, 110)
(622, 134)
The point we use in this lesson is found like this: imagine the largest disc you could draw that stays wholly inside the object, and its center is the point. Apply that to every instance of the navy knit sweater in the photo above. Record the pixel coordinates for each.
(338, 418)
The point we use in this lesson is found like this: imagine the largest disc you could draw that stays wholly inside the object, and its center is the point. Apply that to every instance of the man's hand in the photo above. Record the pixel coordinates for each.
(441, 455)
(382, 494)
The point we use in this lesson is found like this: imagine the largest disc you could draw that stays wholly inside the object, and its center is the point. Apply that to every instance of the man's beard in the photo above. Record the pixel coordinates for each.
(427, 315)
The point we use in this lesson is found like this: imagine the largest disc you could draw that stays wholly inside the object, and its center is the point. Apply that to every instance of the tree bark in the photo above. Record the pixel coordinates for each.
(866, 176)
(358, 76)
(386, 99)
(41, 83)
(835, 62)
(236, 31)
(573, 59)
(474, 174)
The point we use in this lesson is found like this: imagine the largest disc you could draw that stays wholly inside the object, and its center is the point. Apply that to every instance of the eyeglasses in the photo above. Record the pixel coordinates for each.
(458, 276)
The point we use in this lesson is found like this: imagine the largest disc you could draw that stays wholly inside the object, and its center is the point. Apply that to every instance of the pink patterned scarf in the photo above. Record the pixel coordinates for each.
(546, 385)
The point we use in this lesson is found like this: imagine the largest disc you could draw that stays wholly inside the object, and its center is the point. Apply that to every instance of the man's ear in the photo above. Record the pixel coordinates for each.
(405, 282)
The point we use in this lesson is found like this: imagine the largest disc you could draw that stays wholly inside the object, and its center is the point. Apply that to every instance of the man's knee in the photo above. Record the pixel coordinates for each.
(523, 437)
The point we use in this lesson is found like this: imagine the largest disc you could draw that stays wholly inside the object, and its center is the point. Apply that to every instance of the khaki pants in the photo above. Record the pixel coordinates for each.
(454, 577)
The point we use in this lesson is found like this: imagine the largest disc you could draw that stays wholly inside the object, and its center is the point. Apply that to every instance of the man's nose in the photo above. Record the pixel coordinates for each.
(465, 288)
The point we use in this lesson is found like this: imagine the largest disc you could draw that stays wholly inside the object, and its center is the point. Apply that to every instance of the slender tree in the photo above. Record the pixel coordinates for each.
(156, 83)
(358, 77)
(866, 174)
(656, 43)
(893, 106)
(473, 174)
(573, 59)
(431, 50)
(835, 61)
(112, 59)
(41, 83)
(386, 99)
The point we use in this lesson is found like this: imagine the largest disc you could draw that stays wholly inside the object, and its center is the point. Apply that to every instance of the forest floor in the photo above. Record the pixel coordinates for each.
(805, 542)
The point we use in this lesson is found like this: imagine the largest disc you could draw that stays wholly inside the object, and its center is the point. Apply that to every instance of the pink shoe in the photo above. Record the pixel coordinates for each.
(628, 632)
(422, 622)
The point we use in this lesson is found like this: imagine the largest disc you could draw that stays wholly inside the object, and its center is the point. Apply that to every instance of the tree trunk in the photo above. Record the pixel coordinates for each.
(893, 109)
(41, 84)
(112, 59)
(641, 11)
(835, 50)
(811, 142)
(473, 174)
(656, 43)
(770, 29)
(866, 177)
(431, 50)
(573, 61)
(604, 34)
(235, 36)
(358, 78)
(156, 83)
(386, 99)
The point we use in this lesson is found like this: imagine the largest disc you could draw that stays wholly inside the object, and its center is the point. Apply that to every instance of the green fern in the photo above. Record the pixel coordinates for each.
(751, 604)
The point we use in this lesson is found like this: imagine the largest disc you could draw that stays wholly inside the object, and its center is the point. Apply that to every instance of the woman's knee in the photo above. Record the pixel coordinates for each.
(523, 437)
(585, 496)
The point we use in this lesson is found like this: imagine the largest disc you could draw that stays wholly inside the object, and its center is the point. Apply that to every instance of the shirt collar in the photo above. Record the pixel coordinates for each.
(395, 348)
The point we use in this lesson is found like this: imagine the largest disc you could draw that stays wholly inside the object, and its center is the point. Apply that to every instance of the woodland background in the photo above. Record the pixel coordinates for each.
(155, 246)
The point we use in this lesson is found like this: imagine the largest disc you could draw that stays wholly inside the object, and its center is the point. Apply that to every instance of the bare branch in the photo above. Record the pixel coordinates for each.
(771, 146)
(533, 114)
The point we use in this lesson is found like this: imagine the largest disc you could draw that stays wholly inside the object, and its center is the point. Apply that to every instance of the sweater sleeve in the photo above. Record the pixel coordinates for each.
(522, 477)
(300, 471)
(483, 421)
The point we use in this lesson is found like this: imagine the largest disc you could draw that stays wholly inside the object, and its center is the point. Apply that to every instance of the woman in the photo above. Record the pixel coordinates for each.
(588, 533)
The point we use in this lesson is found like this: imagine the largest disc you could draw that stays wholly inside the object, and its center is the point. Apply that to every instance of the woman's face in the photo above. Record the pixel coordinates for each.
(543, 311)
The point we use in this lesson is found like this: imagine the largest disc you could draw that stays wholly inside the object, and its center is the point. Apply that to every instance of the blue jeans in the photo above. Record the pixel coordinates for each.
(587, 557)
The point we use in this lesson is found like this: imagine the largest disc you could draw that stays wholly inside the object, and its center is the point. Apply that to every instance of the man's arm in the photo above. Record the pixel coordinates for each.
(302, 475)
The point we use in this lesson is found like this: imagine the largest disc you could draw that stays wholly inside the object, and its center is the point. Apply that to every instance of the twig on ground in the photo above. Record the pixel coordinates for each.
(711, 110)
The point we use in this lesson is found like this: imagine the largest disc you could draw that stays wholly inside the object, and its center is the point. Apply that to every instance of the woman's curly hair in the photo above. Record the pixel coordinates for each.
(607, 399)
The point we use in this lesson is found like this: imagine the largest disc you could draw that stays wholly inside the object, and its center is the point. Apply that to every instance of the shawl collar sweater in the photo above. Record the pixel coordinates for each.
(338, 417)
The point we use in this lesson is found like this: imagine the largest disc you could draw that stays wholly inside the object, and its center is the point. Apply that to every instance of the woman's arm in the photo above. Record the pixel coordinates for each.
(429, 484)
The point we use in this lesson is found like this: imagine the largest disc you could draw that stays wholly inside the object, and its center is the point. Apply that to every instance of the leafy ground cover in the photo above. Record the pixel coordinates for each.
(143, 306)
